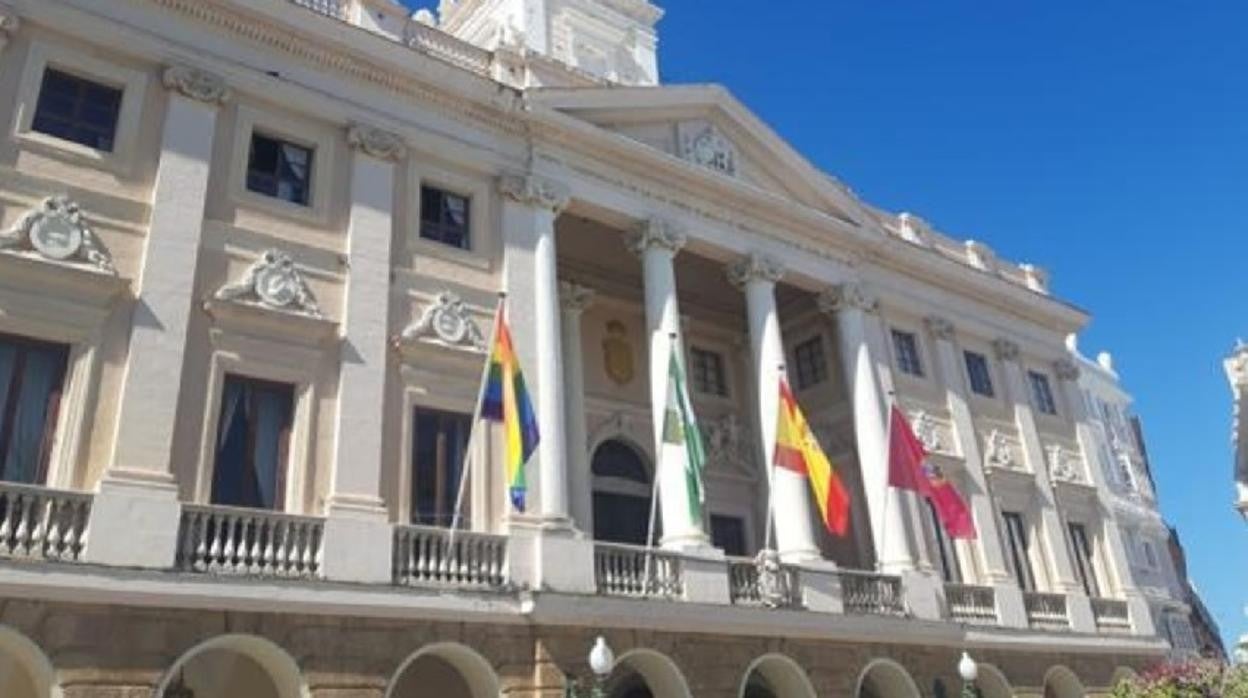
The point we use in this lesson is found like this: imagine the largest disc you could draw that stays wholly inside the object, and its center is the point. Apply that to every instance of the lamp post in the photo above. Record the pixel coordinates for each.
(969, 671)
(601, 661)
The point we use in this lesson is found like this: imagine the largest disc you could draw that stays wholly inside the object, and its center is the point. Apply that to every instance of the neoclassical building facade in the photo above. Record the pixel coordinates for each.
(250, 252)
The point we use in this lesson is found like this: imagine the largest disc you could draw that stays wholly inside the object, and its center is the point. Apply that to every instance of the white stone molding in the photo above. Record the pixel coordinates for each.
(196, 84)
(729, 443)
(1006, 349)
(709, 148)
(376, 142)
(9, 24)
(755, 267)
(1066, 370)
(981, 256)
(535, 191)
(913, 229)
(273, 282)
(997, 451)
(1036, 278)
(1236, 364)
(926, 430)
(446, 321)
(57, 230)
(845, 296)
(1061, 467)
(660, 233)
(575, 298)
(941, 328)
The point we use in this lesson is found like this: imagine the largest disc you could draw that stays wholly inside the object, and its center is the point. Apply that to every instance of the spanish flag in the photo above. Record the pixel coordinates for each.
(798, 450)
(505, 400)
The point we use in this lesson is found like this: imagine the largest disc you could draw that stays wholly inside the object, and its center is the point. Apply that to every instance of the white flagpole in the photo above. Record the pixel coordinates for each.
(658, 463)
(476, 417)
(769, 527)
(888, 455)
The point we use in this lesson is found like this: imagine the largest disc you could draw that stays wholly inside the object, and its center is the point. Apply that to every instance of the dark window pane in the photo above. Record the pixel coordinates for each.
(978, 373)
(77, 110)
(906, 346)
(618, 459)
(1042, 392)
(811, 366)
(253, 433)
(708, 372)
(1083, 559)
(728, 534)
(950, 569)
(279, 169)
(621, 518)
(439, 445)
(444, 217)
(1016, 538)
(32, 374)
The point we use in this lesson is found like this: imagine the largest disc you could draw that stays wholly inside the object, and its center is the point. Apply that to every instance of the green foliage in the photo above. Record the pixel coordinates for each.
(1203, 678)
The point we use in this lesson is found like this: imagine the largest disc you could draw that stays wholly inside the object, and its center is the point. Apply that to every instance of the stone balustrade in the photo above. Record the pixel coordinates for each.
(630, 570)
(869, 593)
(441, 45)
(338, 9)
(40, 523)
(253, 542)
(425, 556)
(752, 585)
(1046, 610)
(971, 604)
(1112, 615)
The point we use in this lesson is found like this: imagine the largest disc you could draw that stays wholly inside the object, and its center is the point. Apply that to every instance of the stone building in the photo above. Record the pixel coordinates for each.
(249, 255)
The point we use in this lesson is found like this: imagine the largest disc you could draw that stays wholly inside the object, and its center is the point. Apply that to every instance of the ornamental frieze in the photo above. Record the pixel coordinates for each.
(446, 321)
(57, 231)
(272, 282)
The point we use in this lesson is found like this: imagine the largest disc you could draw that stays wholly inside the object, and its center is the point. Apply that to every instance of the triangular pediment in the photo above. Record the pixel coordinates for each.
(708, 127)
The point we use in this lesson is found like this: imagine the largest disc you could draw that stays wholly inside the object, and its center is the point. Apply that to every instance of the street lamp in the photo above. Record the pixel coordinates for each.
(969, 671)
(601, 662)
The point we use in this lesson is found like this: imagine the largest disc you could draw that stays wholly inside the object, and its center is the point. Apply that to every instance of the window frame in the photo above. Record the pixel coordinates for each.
(695, 373)
(907, 359)
(443, 467)
(319, 138)
(1083, 550)
(802, 381)
(309, 186)
(53, 412)
(1040, 387)
(950, 563)
(483, 239)
(283, 466)
(76, 119)
(421, 222)
(967, 355)
(1015, 525)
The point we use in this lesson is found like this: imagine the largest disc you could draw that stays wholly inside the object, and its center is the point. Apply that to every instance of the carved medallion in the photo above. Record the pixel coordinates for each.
(446, 321)
(710, 149)
(617, 354)
(272, 282)
(57, 230)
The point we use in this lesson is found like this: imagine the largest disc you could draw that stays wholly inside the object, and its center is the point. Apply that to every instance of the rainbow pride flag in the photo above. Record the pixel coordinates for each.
(505, 400)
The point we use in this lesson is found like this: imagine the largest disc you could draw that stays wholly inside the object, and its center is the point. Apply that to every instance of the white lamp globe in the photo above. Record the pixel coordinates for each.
(601, 658)
(967, 668)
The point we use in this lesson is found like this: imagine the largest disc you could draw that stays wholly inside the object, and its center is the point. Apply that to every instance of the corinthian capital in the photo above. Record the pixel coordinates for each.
(575, 298)
(755, 267)
(196, 84)
(376, 142)
(1066, 370)
(941, 328)
(660, 233)
(535, 191)
(1007, 350)
(847, 296)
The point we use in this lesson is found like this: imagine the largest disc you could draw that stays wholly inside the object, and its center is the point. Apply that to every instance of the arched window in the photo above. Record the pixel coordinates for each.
(622, 492)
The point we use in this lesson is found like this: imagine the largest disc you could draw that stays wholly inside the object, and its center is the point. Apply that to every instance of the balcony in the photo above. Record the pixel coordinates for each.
(752, 584)
(249, 542)
(425, 556)
(1111, 615)
(39, 523)
(1046, 611)
(637, 572)
(868, 593)
(970, 604)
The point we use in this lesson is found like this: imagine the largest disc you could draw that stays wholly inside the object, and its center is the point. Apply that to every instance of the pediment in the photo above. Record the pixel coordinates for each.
(707, 127)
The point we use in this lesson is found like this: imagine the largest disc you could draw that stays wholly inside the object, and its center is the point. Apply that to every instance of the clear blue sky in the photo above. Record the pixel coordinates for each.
(1106, 141)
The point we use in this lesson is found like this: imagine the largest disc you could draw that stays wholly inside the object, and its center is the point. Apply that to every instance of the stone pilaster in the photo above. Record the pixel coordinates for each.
(574, 300)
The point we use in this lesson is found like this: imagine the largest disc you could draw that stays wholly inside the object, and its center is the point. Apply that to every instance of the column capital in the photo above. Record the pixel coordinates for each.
(1066, 370)
(940, 327)
(846, 296)
(755, 267)
(532, 190)
(9, 24)
(197, 84)
(575, 298)
(1007, 349)
(376, 142)
(657, 233)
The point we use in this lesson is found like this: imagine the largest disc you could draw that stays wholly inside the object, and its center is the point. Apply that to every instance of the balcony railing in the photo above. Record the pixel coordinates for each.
(971, 604)
(438, 43)
(1111, 615)
(338, 9)
(39, 523)
(868, 593)
(769, 585)
(227, 540)
(629, 570)
(425, 556)
(1046, 610)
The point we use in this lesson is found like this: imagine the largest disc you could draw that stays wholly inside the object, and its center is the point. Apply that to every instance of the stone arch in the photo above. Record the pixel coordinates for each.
(780, 676)
(884, 678)
(1061, 682)
(25, 671)
(992, 683)
(230, 665)
(473, 676)
(644, 672)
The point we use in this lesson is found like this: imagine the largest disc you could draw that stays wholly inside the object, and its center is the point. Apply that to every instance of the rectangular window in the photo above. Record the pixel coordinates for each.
(1150, 554)
(906, 347)
(1083, 558)
(280, 169)
(728, 534)
(708, 372)
(1016, 539)
(950, 569)
(811, 366)
(978, 373)
(77, 110)
(439, 444)
(444, 217)
(253, 440)
(1042, 392)
(32, 374)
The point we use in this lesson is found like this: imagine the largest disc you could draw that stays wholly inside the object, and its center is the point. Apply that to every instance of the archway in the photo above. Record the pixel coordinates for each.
(622, 492)
(1061, 682)
(884, 678)
(235, 665)
(446, 670)
(645, 673)
(25, 671)
(992, 683)
(775, 676)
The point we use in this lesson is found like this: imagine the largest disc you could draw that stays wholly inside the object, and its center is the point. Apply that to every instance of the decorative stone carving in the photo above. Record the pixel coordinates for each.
(197, 84)
(1061, 468)
(446, 321)
(58, 231)
(657, 232)
(274, 282)
(728, 442)
(997, 451)
(913, 229)
(941, 328)
(755, 267)
(532, 190)
(847, 296)
(575, 298)
(926, 430)
(710, 149)
(1007, 350)
(617, 354)
(771, 580)
(980, 256)
(376, 142)
(1066, 370)
(1036, 278)
(9, 24)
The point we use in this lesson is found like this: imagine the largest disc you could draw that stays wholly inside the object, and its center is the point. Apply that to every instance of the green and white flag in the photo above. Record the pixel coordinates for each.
(680, 428)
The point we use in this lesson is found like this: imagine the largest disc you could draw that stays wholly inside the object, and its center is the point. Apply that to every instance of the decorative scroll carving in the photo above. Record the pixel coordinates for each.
(728, 442)
(58, 231)
(981, 256)
(660, 233)
(771, 581)
(913, 229)
(926, 430)
(997, 451)
(847, 296)
(1007, 350)
(534, 191)
(9, 24)
(376, 142)
(575, 298)
(197, 84)
(1061, 467)
(445, 321)
(1066, 370)
(273, 281)
(755, 267)
(941, 328)
(710, 149)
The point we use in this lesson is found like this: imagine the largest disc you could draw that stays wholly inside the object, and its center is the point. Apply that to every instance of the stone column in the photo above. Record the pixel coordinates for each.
(790, 492)
(135, 515)
(657, 243)
(854, 309)
(574, 299)
(358, 539)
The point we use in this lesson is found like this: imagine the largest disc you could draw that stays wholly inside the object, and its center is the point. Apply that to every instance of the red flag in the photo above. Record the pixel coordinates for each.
(910, 469)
